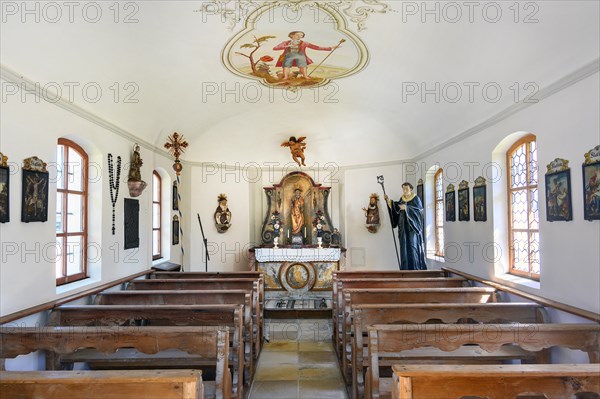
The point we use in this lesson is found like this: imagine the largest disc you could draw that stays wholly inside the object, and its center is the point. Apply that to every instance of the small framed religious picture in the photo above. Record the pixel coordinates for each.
(34, 202)
(4, 189)
(479, 200)
(463, 201)
(591, 184)
(421, 192)
(175, 197)
(450, 200)
(175, 230)
(558, 191)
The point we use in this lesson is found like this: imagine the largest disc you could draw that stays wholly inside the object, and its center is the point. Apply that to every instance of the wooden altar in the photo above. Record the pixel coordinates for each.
(298, 274)
(313, 197)
(298, 281)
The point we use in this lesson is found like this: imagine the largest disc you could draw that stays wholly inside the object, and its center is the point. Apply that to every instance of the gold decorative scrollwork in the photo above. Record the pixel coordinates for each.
(35, 164)
(592, 156)
(558, 165)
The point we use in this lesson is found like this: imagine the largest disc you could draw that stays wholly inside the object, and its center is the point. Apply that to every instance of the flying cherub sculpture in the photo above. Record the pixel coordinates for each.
(297, 147)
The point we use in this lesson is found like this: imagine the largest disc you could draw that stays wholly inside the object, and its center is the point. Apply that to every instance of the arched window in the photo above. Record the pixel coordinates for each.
(438, 188)
(523, 211)
(156, 214)
(71, 212)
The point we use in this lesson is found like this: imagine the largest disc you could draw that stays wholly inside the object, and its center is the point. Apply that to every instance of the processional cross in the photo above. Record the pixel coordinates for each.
(176, 146)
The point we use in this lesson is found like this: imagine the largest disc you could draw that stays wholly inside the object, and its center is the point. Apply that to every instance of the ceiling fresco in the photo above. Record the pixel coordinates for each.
(292, 44)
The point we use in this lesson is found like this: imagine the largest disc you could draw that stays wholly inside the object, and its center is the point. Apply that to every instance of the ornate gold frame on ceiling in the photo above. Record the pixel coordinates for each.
(331, 8)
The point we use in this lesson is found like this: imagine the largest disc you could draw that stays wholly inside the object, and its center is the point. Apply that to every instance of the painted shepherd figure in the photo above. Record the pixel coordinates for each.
(294, 54)
(408, 217)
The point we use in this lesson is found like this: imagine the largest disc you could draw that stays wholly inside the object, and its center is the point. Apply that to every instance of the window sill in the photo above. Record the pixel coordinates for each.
(61, 289)
(520, 280)
(158, 261)
(436, 258)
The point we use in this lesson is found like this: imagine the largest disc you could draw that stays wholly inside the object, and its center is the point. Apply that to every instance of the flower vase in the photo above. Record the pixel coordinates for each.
(320, 241)
(276, 242)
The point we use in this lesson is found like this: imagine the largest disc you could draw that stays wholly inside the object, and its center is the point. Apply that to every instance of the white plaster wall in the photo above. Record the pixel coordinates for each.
(566, 125)
(228, 251)
(247, 202)
(370, 250)
(27, 278)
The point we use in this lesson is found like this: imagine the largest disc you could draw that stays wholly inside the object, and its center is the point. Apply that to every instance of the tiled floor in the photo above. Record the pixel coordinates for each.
(298, 369)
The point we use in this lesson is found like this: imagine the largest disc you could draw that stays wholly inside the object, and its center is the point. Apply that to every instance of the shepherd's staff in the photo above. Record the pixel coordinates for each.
(339, 44)
(380, 181)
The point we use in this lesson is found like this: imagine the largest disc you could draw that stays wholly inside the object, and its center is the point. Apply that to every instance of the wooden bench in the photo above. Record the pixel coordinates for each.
(131, 384)
(369, 274)
(191, 297)
(364, 316)
(470, 344)
(408, 282)
(164, 315)
(132, 347)
(362, 274)
(248, 284)
(358, 296)
(494, 381)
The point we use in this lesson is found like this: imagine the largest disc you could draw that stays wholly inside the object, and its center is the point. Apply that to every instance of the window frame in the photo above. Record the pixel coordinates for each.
(438, 251)
(526, 140)
(156, 175)
(83, 274)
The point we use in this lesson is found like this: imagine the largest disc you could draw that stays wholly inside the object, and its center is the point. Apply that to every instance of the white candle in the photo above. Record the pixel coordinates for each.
(288, 233)
(304, 231)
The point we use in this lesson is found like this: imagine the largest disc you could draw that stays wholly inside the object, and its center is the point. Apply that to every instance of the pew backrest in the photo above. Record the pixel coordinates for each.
(494, 381)
(366, 315)
(389, 341)
(132, 384)
(209, 343)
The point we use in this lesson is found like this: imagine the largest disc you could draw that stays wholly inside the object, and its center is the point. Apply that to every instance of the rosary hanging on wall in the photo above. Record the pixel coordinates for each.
(114, 185)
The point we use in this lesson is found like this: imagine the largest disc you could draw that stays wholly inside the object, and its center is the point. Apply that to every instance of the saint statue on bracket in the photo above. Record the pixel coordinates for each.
(222, 215)
(135, 183)
(372, 214)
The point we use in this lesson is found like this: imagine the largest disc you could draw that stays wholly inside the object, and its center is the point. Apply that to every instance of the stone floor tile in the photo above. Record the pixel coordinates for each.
(310, 358)
(276, 372)
(325, 389)
(286, 346)
(277, 358)
(320, 372)
(316, 346)
(275, 390)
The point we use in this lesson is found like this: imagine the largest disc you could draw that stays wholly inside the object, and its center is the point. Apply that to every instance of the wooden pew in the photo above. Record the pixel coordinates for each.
(391, 282)
(362, 274)
(163, 315)
(248, 284)
(470, 343)
(357, 296)
(132, 346)
(131, 384)
(364, 316)
(494, 381)
(371, 274)
(190, 297)
(223, 275)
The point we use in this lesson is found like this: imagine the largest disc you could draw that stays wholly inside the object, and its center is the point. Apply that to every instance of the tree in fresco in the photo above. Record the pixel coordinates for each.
(259, 67)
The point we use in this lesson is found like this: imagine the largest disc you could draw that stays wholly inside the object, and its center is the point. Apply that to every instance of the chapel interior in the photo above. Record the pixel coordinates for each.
(260, 199)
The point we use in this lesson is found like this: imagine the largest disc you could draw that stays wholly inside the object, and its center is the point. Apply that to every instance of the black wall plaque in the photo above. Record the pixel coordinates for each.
(132, 223)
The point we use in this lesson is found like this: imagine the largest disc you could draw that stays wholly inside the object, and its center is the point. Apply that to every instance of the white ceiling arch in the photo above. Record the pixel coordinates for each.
(169, 62)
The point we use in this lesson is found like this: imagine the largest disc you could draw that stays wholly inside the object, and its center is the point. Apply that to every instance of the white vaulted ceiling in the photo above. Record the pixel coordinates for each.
(171, 55)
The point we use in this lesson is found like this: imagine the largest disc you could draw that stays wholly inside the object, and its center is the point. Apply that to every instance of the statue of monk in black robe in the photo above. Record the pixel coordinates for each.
(407, 215)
